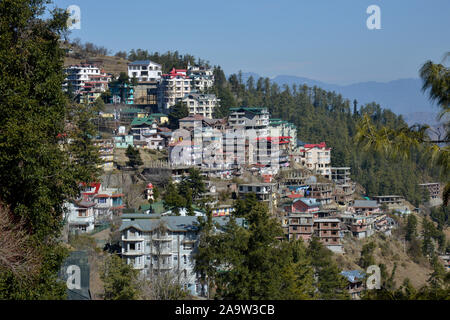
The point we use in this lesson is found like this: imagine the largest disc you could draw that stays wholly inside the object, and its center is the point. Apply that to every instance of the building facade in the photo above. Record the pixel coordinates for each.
(144, 70)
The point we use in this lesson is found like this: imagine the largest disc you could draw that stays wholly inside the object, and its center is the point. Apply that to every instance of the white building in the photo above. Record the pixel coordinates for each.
(159, 245)
(96, 205)
(86, 80)
(202, 77)
(172, 89)
(144, 70)
(203, 104)
(79, 216)
(315, 157)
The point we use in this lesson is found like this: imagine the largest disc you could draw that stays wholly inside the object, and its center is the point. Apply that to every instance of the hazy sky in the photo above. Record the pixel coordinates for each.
(325, 40)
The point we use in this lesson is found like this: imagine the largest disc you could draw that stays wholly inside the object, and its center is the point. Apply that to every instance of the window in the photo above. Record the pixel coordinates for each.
(102, 200)
(184, 259)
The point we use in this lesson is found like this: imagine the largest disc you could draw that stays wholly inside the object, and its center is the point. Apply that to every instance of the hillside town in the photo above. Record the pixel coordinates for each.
(248, 152)
(232, 158)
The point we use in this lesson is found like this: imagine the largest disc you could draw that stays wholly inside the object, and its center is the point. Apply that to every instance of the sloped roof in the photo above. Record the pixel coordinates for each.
(365, 204)
(141, 121)
(173, 223)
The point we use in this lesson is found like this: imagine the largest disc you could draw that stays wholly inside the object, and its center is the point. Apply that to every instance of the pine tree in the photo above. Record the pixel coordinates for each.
(36, 174)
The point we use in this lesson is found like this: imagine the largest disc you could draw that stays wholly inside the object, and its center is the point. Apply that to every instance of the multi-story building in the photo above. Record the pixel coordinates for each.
(106, 151)
(365, 207)
(157, 245)
(265, 192)
(360, 226)
(328, 231)
(79, 216)
(202, 77)
(201, 103)
(247, 124)
(434, 189)
(121, 93)
(144, 70)
(96, 205)
(86, 81)
(392, 201)
(344, 189)
(146, 93)
(315, 157)
(172, 89)
(285, 129)
(123, 141)
(301, 226)
(322, 192)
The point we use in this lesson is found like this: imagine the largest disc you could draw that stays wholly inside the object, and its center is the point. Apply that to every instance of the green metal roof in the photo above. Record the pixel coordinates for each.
(138, 121)
(133, 110)
(251, 109)
(157, 115)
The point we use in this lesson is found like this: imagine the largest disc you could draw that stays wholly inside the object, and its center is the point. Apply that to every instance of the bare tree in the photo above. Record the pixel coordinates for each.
(168, 285)
(16, 252)
(163, 284)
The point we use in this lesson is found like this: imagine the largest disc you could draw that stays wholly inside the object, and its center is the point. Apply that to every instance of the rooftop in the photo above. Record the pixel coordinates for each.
(365, 204)
(142, 63)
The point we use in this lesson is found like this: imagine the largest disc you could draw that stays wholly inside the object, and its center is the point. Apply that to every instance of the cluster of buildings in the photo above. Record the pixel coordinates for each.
(147, 86)
(304, 218)
(247, 138)
(87, 81)
(96, 206)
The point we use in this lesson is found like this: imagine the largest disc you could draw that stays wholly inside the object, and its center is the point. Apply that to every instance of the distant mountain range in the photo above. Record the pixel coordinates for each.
(403, 96)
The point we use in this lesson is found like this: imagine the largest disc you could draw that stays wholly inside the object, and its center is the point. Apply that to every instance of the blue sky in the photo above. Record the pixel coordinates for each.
(325, 40)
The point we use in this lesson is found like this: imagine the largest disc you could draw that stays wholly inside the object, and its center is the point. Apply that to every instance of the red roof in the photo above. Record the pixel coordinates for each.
(176, 72)
(117, 195)
(92, 184)
(295, 196)
(320, 145)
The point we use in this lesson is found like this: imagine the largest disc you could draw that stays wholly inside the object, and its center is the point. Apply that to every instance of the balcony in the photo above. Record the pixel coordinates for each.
(132, 252)
(132, 238)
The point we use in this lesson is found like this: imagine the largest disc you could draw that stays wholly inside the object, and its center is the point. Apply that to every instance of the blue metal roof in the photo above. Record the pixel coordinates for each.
(353, 275)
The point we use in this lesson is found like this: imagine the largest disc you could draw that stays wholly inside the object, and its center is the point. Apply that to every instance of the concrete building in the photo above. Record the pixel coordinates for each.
(328, 231)
(202, 77)
(172, 89)
(144, 70)
(123, 141)
(365, 207)
(157, 245)
(86, 81)
(360, 226)
(106, 151)
(301, 226)
(265, 192)
(96, 205)
(285, 129)
(202, 104)
(392, 201)
(322, 192)
(315, 157)
(434, 189)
